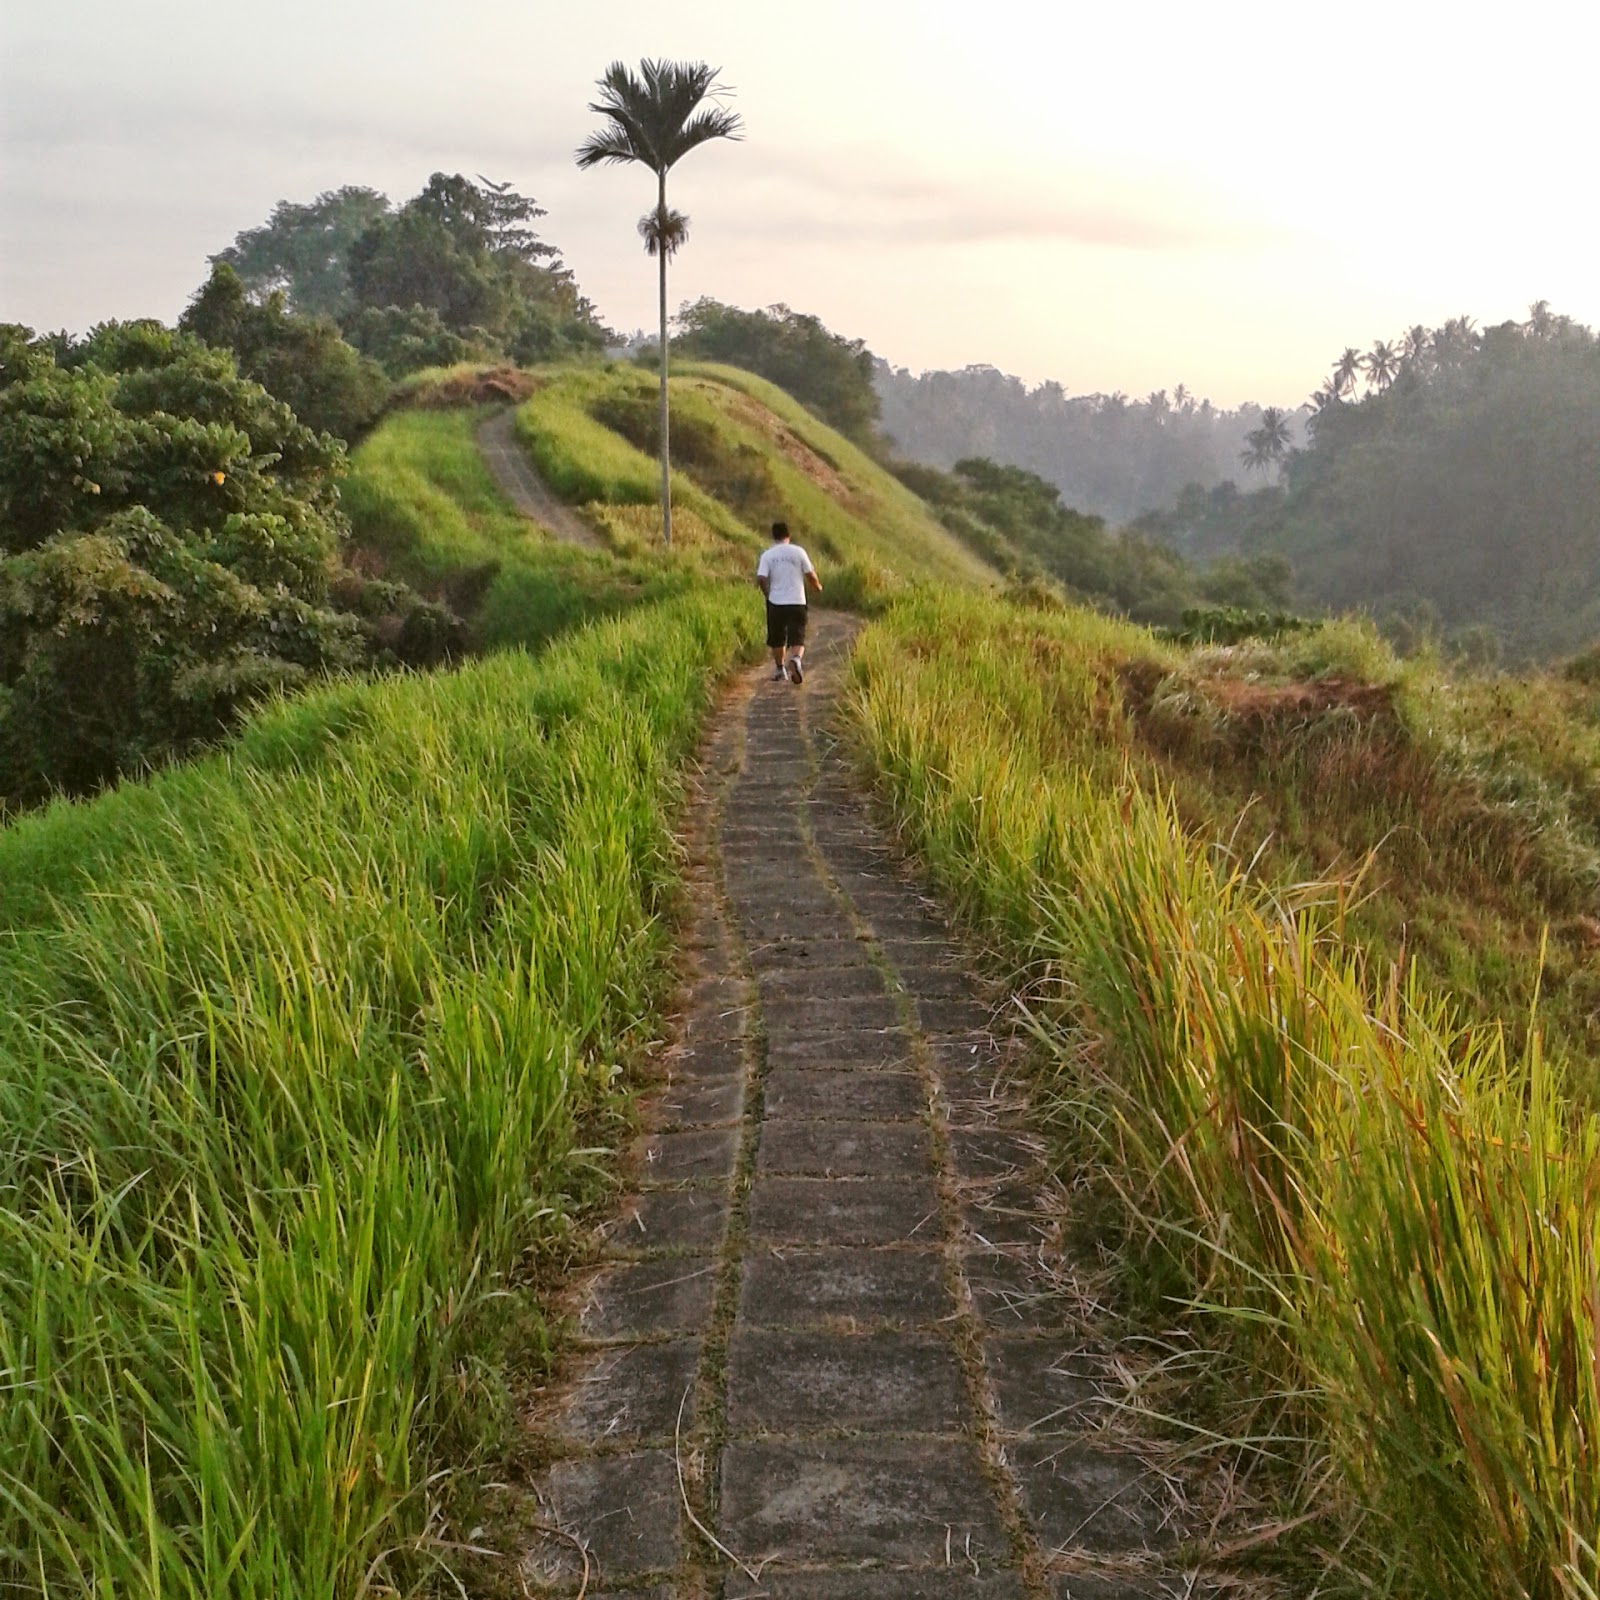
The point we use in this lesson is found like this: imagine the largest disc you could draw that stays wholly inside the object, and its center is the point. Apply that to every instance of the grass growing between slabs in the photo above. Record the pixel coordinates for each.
(296, 1042)
(1391, 1214)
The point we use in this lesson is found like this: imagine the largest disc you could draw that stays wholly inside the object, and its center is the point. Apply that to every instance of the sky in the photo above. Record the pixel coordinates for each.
(1219, 195)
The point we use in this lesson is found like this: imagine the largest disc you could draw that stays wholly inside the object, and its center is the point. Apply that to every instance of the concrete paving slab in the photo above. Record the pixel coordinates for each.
(855, 981)
(641, 1299)
(625, 1508)
(936, 956)
(696, 1155)
(805, 1288)
(708, 1021)
(799, 1383)
(633, 1395)
(995, 1153)
(845, 1149)
(821, 1095)
(671, 1219)
(1011, 1293)
(897, 1501)
(1003, 1215)
(701, 1102)
(940, 1583)
(723, 1058)
(908, 927)
(954, 1016)
(826, 947)
(886, 1049)
(1124, 1586)
(843, 1211)
(1041, 1386)
(822, 1013)
(1081, 1498)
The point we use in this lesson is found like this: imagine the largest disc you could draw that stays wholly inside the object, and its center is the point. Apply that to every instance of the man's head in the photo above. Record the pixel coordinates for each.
(780, 532)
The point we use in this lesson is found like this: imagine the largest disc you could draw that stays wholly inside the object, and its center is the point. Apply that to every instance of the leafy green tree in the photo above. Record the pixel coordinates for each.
(830, 374)
(302, 250)
(404, 339)
(168, 531)
(302, 361)
(655, 119)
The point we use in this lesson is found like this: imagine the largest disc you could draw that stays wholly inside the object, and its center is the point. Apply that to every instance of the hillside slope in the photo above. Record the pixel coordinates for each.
(744, 455)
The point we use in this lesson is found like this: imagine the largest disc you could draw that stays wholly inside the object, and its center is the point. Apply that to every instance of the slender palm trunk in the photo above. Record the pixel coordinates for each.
(666, 468)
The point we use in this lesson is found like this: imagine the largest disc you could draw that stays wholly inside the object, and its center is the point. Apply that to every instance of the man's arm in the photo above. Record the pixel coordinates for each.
(763, 583)
(813, 582)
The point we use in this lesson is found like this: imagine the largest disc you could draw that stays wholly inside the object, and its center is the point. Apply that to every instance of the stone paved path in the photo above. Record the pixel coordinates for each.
(510, 467)
(824, 1332)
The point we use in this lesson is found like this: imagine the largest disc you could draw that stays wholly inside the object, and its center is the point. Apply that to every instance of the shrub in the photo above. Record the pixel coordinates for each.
(168, 531)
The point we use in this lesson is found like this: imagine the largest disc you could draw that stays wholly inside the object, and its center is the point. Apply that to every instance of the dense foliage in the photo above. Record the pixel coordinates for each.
(1107, 454)
(1017, 521)
(168, 533)
(1465, 484)
(825, 371)
(458, 270)
(300, 360)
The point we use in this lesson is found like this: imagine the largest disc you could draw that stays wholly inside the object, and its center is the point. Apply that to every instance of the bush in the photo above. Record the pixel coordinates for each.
(168, 531)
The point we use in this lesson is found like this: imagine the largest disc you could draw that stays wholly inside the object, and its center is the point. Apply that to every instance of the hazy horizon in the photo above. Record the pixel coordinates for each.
(1119, 202)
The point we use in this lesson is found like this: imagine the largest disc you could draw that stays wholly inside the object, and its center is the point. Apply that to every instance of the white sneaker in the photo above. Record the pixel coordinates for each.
(778, 675)
(797, 673)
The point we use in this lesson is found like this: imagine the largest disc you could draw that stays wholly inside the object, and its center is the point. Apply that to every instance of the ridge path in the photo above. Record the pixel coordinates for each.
(520, 483)
(824, 1359)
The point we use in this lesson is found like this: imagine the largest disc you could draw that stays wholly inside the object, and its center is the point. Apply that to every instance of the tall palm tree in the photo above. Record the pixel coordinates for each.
(1346, 368)
(1417, 345)
(1381, 363)
(655, 118)
(1269, 443)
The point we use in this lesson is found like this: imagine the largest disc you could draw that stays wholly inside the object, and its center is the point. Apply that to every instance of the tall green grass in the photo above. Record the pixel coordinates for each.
(295, 1043)
(423, 505)
(1398, 1219)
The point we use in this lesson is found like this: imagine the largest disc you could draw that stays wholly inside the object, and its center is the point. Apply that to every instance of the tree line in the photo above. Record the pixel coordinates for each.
(1108, 454)
(1449, 483)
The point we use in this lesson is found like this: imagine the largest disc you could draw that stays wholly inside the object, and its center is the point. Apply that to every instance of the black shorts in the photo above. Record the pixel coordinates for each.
(785, 625)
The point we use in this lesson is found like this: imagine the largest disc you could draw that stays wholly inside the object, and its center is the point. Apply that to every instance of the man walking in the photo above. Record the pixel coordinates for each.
(783, 575)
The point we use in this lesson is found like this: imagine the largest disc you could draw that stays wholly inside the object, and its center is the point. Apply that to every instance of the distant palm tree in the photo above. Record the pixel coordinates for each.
(1328, 395)
(1348, 365)
(1416, 346)
(1454, 341)
(656, 118)
(1269, 443)
(1381, 363)
(1541, 321)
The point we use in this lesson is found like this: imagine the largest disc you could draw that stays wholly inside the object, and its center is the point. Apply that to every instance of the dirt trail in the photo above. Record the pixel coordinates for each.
(830, 1334)
(508, 462)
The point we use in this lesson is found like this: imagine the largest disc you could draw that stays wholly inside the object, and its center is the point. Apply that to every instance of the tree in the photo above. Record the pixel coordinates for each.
(1381, 363)
(1346, 369)
(655, 119)
(303, 249)
(301, 361)
(830, 374)
(1268, 444)
(168, 532)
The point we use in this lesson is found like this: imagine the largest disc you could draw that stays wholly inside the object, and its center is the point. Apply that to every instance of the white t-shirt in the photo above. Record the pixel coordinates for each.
(785, 567)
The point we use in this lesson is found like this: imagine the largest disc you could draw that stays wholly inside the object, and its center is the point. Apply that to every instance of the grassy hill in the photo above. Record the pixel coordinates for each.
(1310, 934)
